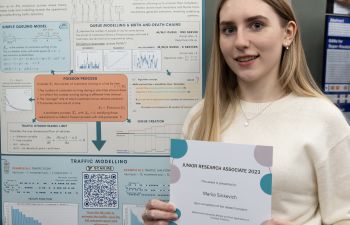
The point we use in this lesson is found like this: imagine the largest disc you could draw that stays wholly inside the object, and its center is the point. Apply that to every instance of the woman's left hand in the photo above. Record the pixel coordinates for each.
(278, 222)
(344, 2)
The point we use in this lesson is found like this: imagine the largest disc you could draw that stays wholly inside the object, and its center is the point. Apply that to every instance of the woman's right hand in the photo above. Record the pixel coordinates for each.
(158, 212)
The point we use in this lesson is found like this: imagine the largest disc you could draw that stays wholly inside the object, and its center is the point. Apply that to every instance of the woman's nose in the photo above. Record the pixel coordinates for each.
(241, 41)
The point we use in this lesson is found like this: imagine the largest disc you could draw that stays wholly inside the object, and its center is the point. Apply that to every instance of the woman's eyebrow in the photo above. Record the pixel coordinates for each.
(258, 17)
(247, 20)
(226, 23)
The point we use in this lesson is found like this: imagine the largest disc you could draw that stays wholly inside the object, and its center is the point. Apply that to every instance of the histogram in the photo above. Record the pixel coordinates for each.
(18, 218)
(40, 214)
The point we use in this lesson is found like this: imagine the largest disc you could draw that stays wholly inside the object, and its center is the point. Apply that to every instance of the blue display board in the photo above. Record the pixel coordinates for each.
(337, 60)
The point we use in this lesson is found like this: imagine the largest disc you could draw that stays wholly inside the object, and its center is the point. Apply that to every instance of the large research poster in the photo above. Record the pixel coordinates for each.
(92, 91)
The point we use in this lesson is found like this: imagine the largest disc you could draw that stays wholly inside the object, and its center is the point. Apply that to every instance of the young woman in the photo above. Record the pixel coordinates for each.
(260, 91)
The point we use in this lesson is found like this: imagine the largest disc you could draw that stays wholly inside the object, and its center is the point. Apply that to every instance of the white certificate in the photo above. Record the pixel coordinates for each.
(220, 183)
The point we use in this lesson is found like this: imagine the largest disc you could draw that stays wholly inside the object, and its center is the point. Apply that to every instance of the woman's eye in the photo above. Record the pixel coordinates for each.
(227, 30)
(257, 26)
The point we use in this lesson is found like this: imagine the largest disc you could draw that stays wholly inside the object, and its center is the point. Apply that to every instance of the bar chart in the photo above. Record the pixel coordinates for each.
(132, 214)
(40, 213)
(18, 218)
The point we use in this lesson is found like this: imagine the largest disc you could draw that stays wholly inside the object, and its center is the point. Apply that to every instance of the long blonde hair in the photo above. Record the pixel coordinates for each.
(221, 86)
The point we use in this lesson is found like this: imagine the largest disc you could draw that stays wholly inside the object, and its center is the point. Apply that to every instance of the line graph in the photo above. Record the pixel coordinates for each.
(147, 60)
(149, 140)
(96, 10)
(17, 99)
(117, 60)
(47, 34)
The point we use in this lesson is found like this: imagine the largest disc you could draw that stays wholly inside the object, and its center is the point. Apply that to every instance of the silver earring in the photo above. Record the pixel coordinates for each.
(286, 45)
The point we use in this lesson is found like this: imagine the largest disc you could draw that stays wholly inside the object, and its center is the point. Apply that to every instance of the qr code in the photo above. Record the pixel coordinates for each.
(100, 190)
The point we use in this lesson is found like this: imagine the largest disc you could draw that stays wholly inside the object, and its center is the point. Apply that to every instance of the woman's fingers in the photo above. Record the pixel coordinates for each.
(157, 204)
(157, 212)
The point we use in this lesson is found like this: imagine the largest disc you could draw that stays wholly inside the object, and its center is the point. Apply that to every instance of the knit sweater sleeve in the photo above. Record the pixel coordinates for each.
(333, 178)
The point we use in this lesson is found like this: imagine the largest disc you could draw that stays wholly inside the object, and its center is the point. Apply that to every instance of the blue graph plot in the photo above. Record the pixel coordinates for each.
(89, 61)
(147, 60)
(89, 65)
(18, 218)
(134, 220)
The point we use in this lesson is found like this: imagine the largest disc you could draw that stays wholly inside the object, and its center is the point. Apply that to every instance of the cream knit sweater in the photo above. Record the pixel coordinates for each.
(311, 161)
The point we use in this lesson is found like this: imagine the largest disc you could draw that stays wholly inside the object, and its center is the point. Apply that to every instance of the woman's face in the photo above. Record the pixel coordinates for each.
(251, 40)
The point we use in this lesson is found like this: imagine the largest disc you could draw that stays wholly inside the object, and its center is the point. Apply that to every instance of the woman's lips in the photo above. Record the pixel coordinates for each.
(246, 58)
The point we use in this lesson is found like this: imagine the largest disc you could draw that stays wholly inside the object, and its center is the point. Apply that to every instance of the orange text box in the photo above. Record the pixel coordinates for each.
(87, 98)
